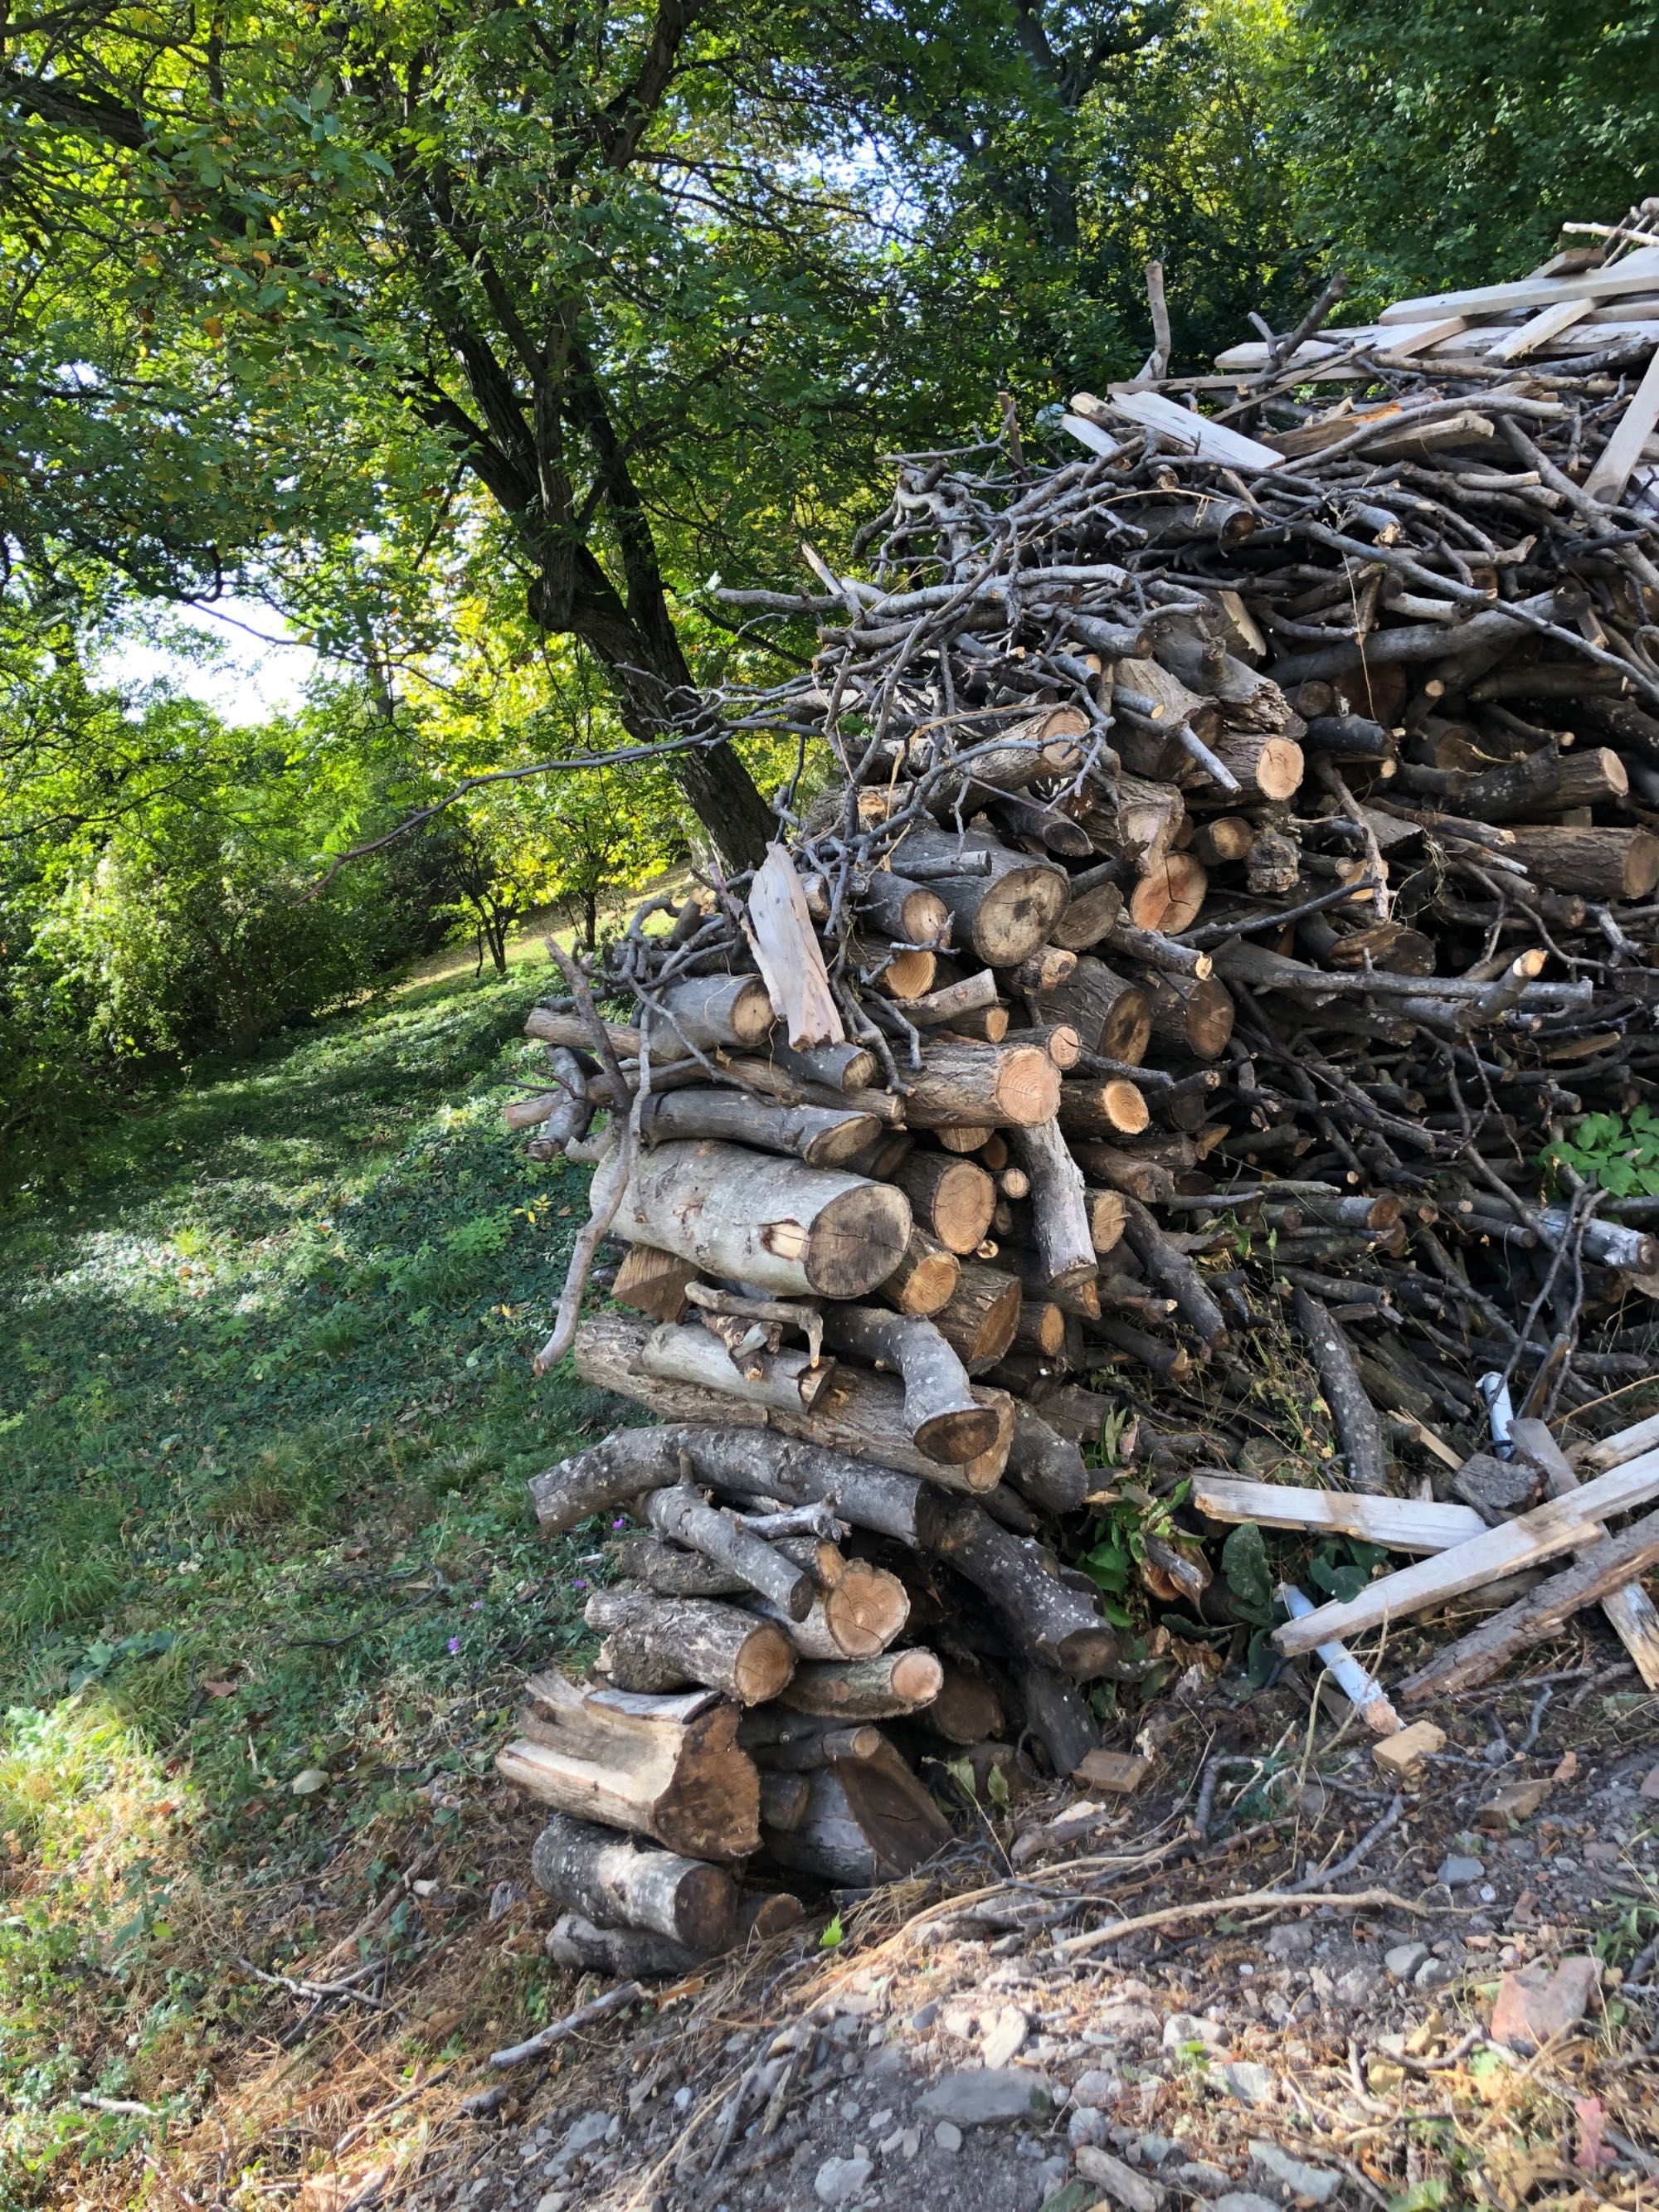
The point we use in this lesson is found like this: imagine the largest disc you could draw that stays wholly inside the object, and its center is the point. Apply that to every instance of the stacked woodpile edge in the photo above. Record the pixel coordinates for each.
(1221, 882)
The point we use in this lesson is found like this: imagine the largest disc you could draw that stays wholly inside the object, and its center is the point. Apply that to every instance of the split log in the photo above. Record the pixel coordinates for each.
(789, 957)
(656, 1644)
(979, 1320)
(866, 1689)
(1562, 1524)
(966, 1083)
(1401, 1524)
(866, 1821)
(1358, 1431)
(664, 1767)
(654, 1283)
(1111, 1016)
(627, 1955)
(755, 1219)
(1060, 1207)
(681, 1515)
(593, 1871)
(1598, 1573)
(1003, 914)
(925, 1279)
(683, 1352)
(1045, 1618)
(819, 1135)
(949, 1420)
(951, 1199)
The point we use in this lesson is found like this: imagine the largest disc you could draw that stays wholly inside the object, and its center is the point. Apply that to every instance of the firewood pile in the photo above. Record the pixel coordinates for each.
(1223, 863)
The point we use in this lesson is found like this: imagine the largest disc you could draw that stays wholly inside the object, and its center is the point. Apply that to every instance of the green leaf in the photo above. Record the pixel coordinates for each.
(996, 1787)
(1245, 1565)
(833, 1935)
(1261, 1660)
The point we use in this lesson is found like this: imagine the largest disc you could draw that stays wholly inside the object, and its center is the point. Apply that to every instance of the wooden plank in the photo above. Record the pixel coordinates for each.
(1210, 441)
(1547, 323)
(1417, 337)
(1636, 273)
(1601, 1571)
(790, 958)
(1608, 479)
(1404, 1524)
(1481, 342)
(1561, 1525)
(1091, 434)
(1630, 1612)
(1624, 1444)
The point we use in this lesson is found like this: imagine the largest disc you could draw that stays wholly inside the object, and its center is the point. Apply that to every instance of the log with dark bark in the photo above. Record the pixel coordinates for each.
(1002, 915)
(949, 1420)
(686, 1518)
(1358, 1431)
(1045, 1617)
(820, 1136)
(866, 1821)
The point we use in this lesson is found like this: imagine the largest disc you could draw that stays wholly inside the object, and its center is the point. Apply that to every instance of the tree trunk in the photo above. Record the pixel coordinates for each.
(818, 1136)
(666, 1767)
(866, 1689)
(594, 1871)
(681, 1515)
(1045, 1618)
(866, 1821)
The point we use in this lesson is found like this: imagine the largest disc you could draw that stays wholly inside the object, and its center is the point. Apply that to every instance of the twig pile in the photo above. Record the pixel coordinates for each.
(1234, 868)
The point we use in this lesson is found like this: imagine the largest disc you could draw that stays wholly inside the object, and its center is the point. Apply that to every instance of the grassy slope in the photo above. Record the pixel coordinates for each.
(266, 1417)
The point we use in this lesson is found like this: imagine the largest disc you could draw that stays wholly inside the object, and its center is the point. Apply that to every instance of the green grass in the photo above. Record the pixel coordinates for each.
(266, 1414)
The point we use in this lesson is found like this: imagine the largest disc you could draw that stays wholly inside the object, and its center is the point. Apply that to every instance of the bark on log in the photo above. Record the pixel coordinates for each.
(783, 1800)
(925, 1279)
(819, 1135)
(641, 1557)
(1095, 902)
(680, 1514)
(834, 1066)
(1268, 765)
(1131, 1174)
(595, 1872)
(964, 1085)
(797, 1743)
(951, 1199)
(1191, 1013)
(746, 1462)
(658, 1644)
(1602, 864)
(1178, 1279)
(1114, 1108)
(623, 1954)
(1002, 915)
(866, 1689)
(910, 913)
(859, 1413)
(1046, 1618)
(864, 1613)
(665, 1767)
(949, 1421)
(979, 1320)
(1046, 1468)
(1357, 1428)
(755, 1219)
(686, 1353)
(1057, 1714)
(1060, 1207)
(715, 1011)
(1111, 1016)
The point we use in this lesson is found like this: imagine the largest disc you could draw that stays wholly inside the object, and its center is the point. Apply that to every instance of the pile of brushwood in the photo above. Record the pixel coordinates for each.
(1224, 921)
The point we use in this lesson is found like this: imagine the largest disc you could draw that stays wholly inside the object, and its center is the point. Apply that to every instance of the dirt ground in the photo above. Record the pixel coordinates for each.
(980, 2039)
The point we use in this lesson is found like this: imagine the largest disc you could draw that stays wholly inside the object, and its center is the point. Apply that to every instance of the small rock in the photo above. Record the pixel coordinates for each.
(1434, 1974)
(912, 2142)
(1122, 2185)
(1456, 1870)
(947, 2135)
(1087, 2124)
(555, 2200)
(889, 2144)
(1649, 1784)
(924, 2016)
(1357, 1987)
(1515, 1801)
(886, 2058)
(1126, 2021)
(1404, 1959)
(1049, 2186)
(1245, 2200)
(1536, 2005)
(1097, 2087)
(1278, 2167)
(1187, 2027)
(1005, 2035)
(682, 2097)
(1253, 2084)
(839, 2178)
(1152, 2149)
(1198, 2178)
(974, 2098)
(1291, 1938)
(584, 2135)
(960, 2023)
(309, 1781)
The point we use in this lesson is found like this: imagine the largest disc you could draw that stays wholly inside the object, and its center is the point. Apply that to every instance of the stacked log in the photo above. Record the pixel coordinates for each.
(1235, 867)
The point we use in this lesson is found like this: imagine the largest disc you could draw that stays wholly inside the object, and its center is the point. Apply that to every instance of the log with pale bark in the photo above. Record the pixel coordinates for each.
(656, 1644)
(666, 1767)
(612, 1879)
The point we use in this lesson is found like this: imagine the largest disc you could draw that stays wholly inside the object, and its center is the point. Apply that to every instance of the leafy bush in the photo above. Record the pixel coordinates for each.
(1622, 1157)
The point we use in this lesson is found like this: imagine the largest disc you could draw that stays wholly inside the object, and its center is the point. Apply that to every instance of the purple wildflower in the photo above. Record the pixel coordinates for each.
(454, 1642)
(579, 1584)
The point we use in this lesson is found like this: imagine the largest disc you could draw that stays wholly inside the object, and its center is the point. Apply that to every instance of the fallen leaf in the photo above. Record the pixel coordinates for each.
(1592, 2152)
(1568, 1768)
